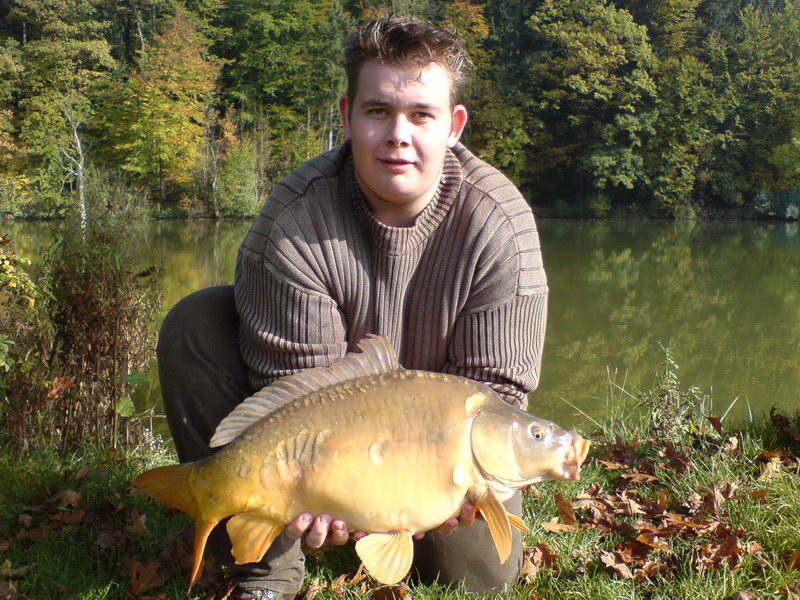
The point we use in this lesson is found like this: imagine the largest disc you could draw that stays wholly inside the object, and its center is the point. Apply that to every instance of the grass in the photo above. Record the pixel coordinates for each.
(722, 509)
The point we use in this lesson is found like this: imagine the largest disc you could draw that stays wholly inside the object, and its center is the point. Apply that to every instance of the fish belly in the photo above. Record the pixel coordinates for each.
(390, 454)
(385, 485)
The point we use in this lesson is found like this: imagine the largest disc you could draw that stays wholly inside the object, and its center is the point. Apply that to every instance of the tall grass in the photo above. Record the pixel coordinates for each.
(74, 337)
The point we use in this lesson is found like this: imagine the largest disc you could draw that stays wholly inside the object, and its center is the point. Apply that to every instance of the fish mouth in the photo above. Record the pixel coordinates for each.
(573, 459)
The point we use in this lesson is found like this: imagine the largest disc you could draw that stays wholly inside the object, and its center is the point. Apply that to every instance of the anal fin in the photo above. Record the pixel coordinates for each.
(497, 518)
(387, 556)
(517, 522)
(251, 536)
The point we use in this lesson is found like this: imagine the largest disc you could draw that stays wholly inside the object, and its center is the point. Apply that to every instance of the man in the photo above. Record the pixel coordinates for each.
(400, 232)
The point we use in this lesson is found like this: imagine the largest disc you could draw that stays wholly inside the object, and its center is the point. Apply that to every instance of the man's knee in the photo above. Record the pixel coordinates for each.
(203, 315)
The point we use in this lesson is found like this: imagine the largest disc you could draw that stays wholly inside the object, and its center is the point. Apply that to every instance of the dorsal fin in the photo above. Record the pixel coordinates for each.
(376, 356)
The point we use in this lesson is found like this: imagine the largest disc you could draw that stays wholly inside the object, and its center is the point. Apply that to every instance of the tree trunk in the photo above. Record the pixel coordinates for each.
(80, 163)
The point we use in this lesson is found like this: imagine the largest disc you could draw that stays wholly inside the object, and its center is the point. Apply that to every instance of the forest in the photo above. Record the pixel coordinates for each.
(674, 108)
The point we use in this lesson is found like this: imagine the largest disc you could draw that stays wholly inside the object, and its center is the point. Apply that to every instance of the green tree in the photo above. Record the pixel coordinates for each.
(592, 98)
(284, 55)
(765, 65)
(63, 54)
(495, 130)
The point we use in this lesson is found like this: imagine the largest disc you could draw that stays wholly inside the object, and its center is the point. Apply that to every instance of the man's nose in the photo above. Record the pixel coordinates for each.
(399, 131)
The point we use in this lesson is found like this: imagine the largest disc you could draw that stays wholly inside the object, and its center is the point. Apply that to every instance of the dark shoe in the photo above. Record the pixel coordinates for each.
(258, 594)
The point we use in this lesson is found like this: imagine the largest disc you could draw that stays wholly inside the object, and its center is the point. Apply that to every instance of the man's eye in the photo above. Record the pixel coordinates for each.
(422, 116)
(376, 111)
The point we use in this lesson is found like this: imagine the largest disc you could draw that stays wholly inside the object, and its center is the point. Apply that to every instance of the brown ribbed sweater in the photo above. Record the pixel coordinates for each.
(461, 291)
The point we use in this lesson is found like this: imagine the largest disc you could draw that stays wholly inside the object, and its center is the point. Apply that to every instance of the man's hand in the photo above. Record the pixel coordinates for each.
(465, 517)
(317, 530)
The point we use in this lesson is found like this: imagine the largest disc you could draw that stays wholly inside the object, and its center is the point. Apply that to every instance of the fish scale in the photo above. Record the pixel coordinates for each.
(390, 451)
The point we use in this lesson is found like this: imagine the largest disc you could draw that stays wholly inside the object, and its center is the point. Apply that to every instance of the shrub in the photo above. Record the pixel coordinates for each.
(70, 357)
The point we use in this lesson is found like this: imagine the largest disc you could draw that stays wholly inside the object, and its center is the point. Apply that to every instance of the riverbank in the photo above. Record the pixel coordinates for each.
(672, 504)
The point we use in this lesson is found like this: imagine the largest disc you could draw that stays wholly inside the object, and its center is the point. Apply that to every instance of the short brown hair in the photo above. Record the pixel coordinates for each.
(401, 40)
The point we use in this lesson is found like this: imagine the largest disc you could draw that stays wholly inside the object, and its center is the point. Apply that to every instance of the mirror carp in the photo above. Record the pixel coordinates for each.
(389, 450)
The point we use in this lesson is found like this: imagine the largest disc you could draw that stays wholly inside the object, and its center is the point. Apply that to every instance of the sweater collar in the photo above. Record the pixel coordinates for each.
(401, 240)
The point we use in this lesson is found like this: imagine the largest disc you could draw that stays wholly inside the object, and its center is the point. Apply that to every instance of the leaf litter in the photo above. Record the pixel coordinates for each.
(651, 523)
(637, 507)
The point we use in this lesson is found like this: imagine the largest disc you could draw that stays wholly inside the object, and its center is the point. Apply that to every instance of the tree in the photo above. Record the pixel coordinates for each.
(155, 119)
(765, 66)
(593, 99)
(495, 130)
(64, 55)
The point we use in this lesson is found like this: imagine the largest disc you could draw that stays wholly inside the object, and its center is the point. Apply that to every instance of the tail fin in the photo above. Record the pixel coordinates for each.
(170, 485)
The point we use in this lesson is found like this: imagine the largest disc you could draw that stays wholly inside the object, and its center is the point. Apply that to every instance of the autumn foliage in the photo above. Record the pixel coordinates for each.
(79, 332)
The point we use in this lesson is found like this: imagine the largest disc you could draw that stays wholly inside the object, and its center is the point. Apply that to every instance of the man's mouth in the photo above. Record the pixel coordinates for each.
(396, 161)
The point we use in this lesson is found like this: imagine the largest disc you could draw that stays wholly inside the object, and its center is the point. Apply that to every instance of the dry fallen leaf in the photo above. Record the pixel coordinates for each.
(613, 466)
(553, 526)
(743, 595)
(565, 509)
(790, 590)
(652, 541)
(716, 423)
(782, 423)
(391, 592)
(639, 477)
(731, 446)
(136, 523)
(771, 469)
(677, 459)
(66, 499)
(619, 567)
(794, 562)
(144, 577)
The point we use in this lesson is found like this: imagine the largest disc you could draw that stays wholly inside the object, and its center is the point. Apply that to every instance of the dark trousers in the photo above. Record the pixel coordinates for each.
(203, 378)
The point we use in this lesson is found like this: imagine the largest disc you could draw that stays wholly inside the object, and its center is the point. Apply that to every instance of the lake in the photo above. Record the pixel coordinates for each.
(724, 297)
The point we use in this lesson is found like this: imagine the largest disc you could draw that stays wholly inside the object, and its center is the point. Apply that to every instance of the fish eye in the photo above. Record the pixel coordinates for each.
(535, 432)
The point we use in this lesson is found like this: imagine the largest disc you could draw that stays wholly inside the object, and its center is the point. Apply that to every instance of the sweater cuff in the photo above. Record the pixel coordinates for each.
(502, 346)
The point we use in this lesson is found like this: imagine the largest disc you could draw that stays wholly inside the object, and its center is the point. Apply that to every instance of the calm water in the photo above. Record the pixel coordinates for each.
(724, 297)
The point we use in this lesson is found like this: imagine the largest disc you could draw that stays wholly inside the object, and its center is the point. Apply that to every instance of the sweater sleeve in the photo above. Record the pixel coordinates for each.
(498, 337)
(288, 317)
(283, 326)
(502, 346)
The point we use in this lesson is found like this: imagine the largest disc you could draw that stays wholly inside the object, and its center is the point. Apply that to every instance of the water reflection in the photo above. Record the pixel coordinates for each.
(725, 297)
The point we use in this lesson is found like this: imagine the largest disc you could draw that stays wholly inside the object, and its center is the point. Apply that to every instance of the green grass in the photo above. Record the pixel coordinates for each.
(90, 555)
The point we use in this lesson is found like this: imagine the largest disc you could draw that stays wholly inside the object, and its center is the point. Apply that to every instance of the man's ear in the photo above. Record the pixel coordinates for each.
(344, 108)
(457, 123)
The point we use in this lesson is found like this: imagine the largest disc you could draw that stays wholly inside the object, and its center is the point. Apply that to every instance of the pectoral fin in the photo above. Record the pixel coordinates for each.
(251, 536)
(517, 522)
(497, 518)
(387, 556)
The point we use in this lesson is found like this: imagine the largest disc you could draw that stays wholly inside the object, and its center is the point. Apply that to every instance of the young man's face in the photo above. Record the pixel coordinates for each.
(400, 126)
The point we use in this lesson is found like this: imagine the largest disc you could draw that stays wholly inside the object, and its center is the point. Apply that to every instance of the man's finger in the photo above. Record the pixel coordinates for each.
(357, 535)
(339, 534)
(448, 526)
(318, 532)
(419, 535)
(298, 527)
(467, 515)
